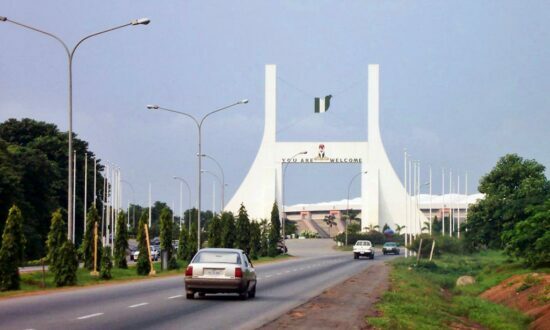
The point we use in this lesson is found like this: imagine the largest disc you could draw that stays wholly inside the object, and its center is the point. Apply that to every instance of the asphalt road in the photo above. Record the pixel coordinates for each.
(161, 304)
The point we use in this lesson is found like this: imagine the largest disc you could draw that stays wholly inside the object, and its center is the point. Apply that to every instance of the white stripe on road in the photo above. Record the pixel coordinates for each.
(88, 316)
(177, 296)
(268, 276)
(279, 273)
(138, 305)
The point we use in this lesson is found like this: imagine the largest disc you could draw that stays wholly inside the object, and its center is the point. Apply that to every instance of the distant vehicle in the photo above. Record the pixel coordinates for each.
(363, 248)
(134, 253)
(282, 247)
(155, 241)
(390, 247)
(155, 253)
(220, 271)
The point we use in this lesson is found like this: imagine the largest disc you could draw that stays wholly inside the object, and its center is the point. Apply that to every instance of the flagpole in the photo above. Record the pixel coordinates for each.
(443, 201)
(458, 204)
(430, 222)
(450, 202)
(406, 201)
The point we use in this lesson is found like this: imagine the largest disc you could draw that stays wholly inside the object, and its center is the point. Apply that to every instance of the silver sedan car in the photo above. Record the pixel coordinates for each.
(216, 270)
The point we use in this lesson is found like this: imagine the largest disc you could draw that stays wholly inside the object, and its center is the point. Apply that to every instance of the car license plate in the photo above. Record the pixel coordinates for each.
(213, 271)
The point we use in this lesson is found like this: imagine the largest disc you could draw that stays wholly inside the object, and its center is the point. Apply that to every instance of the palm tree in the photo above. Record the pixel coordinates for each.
(329, 220)
(426, 226)
(399, 228)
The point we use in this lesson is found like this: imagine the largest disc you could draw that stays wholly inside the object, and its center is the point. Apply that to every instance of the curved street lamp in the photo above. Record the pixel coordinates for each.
(70, 56)
(283, 194)
(199, 128)
(182, 182)
(223, 178)
(219, 181)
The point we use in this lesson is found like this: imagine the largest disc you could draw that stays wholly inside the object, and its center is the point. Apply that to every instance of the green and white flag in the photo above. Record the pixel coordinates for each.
(322, 103)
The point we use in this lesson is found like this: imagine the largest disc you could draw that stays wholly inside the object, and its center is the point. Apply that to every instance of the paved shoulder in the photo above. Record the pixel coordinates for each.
(343, 306)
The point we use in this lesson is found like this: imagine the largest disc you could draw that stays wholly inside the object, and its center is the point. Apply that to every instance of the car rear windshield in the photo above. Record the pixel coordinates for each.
(390, 244)
(363, 243)
(217, 257)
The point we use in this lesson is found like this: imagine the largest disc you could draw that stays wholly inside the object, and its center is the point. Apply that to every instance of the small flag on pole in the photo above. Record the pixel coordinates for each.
(322, 103)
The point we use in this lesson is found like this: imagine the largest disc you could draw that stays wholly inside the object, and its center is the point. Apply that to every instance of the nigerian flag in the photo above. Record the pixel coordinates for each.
(322, 103)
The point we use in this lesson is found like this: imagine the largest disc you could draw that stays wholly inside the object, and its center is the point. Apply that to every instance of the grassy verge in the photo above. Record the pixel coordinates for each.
(263, 260)
(424, 296)
(32, 282)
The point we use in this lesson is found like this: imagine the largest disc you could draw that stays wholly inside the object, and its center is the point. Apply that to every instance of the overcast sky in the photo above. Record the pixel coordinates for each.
(462, 83)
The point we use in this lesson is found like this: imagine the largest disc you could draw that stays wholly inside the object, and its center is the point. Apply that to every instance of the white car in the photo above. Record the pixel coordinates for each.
(155, 254)
(363, 248)
(220, 271)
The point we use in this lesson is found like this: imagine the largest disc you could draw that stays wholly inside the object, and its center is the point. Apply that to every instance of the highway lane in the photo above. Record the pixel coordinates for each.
(161, 304)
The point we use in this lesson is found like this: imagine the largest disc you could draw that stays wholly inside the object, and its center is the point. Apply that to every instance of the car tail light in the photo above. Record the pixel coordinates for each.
(189, 271)
(238, 272)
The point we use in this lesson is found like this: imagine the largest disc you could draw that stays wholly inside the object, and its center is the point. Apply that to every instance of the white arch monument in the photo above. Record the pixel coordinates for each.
(383, 195)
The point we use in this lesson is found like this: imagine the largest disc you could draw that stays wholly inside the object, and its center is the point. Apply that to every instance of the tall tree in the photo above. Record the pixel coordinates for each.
(228, 230)
(88, 241)
(215, 232)
(513, 188)
(143, 264)
(264, 244)
(255, 240)
(242, 237)
(67, 265)
(33, 156)
(192, 241)
(56, 238)
(183, 248)
(274, 232)
(121, 241)
(530, 238)
(166, 230)
(12, 251)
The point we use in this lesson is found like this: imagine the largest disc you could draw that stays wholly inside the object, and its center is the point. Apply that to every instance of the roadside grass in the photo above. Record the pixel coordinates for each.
(32, 281)
(424, 296)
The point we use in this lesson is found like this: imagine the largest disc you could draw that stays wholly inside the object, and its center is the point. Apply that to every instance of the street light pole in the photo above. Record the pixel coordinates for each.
(219, 181)
(70, 56)
(199, 128)
(223, 178)
(182, 181)
(347, 209)
(134, 200)
(283, 194)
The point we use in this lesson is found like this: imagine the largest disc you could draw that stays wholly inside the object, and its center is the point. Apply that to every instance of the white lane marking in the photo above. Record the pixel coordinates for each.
(177, 296)
(88, 316)
(294, 269)
(138, 305)
(279, 273)
(268, 276)
(287, 271)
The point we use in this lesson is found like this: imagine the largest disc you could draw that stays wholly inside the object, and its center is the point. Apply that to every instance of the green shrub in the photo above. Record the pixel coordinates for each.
(373, 236)
(106, 264)
(12, 251)
(66, 266)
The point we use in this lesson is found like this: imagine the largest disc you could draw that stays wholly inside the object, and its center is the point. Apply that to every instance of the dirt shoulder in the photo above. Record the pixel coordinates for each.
(344, 306)
(529, 293)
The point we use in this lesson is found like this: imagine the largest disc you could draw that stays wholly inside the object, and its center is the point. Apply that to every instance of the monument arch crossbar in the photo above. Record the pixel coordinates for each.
(381, 190)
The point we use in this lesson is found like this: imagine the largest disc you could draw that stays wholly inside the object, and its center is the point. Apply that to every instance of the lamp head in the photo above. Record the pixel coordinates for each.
(152, 106)
(3, 18)
(245, 101)
(303, 153)
(141, 21)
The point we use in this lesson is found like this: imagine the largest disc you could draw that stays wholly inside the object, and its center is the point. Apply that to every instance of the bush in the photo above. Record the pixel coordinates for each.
(443, 244)
(12, 251)
(106, 263)
(121, 242)
(66, 266)
(173, 262)
(373, 236)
